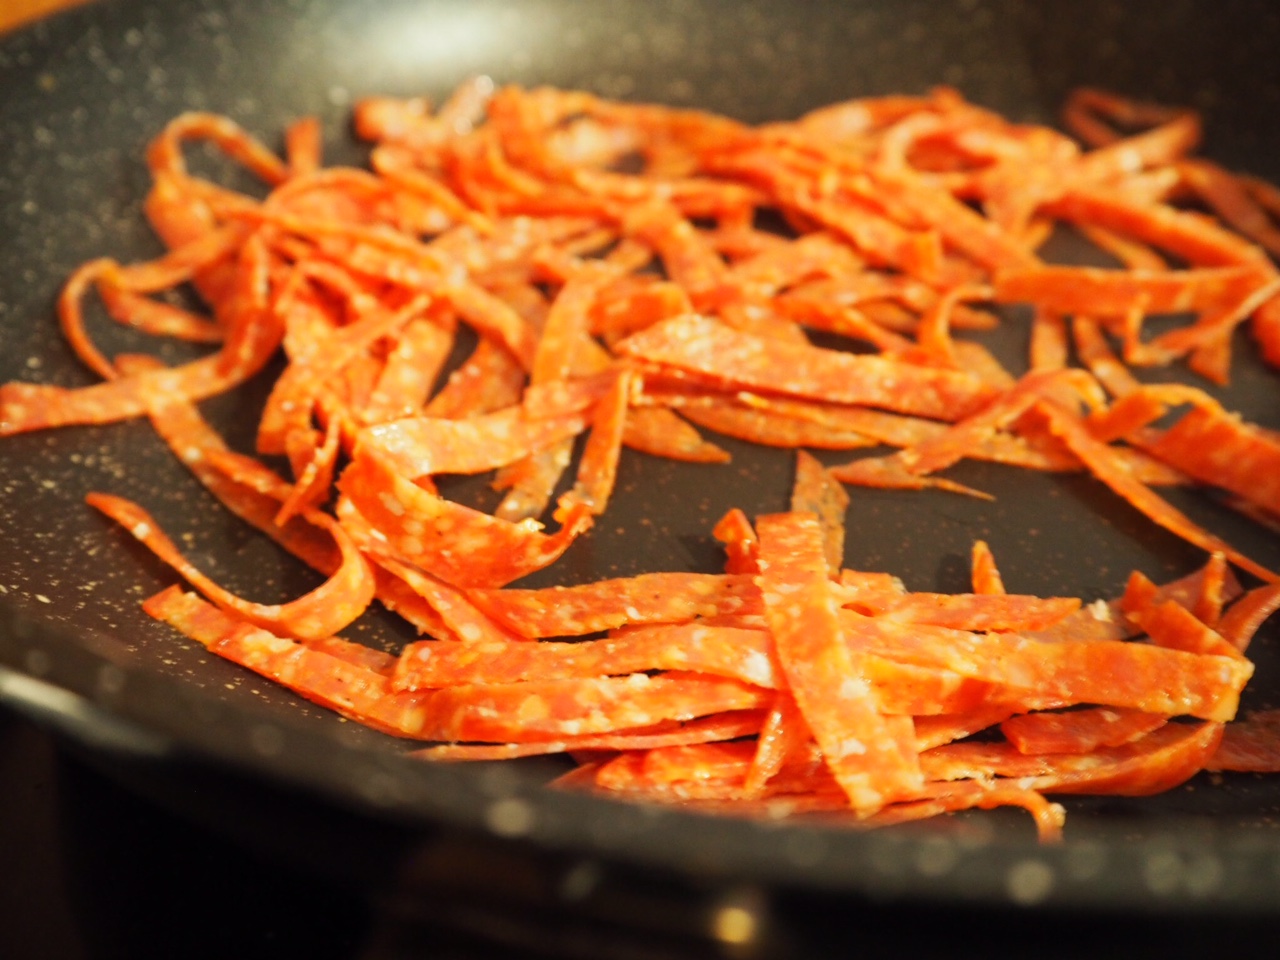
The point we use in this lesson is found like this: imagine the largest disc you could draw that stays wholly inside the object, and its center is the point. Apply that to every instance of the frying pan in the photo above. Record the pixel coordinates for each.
(82, 94)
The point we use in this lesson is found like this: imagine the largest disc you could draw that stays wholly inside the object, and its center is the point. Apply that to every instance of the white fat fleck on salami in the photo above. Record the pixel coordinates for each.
(391, 504)
(758, 669)
(854, 688)
(852, 747)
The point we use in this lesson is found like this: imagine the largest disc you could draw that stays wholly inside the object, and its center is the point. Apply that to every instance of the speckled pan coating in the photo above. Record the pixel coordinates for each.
(81, 94)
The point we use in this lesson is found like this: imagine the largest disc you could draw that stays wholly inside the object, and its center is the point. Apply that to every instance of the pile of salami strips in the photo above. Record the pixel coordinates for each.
(643, 277)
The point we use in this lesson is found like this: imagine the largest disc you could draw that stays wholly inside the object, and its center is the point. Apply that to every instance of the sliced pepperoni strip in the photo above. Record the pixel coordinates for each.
(497, 713)
(1190, 236)
(722, 726)
(157, 318)
(1243, 618)
(198, 446)
(957, 224)
(872, 756)
(1100, 291)
(691, 762)
(458, 615)
(462, 546)
(771, 428)
(948, 447)
(816, 491)
(423, 446)
(1154, 763)
(633, 303)
(1170, 624)
(320, 613)
(304, 146)
(496, 319)
(893, 473)
(1049, 817)
(1157, 761)
(914, 690)
(1104, 465)
(1093, 115)
(974, 611)
(934, 731)
(293, 397)
(1078, 731)
(710, 771)
(530, 482)
(878, 238)
(1218, 588)
(413, 365)
(783, 737)
(719, 354)
(1207, 339)
(606, 604)
(164, 153)
(719, 651)
(254, 493)
(331, 675)
(874, 589)
(1131, 253)
(314, 465)
(394, 592)
(1218, 448)
(1250, 745)
(1230, 198)
(741, 546)
(893, 429)
(26, 407)
(489, 379)
(663, 433)
(1096, 354)
(598, 468)
(1104, 672)
(984, 573)
(846, 423)
(502, 713)
(783, 265)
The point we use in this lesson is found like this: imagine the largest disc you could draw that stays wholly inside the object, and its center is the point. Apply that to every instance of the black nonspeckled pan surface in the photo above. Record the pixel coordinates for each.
(80, 95)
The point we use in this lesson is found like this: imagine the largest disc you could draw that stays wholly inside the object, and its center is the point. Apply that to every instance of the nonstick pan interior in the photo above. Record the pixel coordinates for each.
(84, 92)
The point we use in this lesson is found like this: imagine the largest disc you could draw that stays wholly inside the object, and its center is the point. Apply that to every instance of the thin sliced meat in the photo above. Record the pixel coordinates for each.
(462, 546)
(816, 491)
(424, 446)
(724, 652)
(1104, 465)
(1250, 745)
(1078, 731)
(1219, 448)
(606, 604)
(872, 756)
(1103, 672)
(723, 726)
(324, 611)
(718, 354)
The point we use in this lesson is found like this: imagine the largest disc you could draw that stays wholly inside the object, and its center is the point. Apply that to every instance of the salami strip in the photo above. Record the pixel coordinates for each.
(717, 354)
(463, 546)
(871, 755)
(605, 604)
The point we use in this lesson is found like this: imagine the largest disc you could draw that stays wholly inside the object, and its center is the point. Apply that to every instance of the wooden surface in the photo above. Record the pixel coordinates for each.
(14, 13)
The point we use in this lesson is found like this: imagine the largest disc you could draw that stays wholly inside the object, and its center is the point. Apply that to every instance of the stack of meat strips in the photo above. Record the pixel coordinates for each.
(634, 276)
